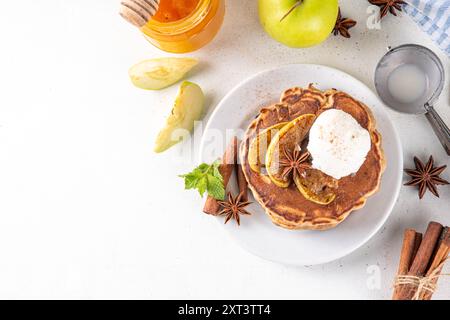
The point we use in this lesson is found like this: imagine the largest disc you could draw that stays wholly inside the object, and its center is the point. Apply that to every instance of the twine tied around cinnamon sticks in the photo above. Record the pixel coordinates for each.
(422, 285)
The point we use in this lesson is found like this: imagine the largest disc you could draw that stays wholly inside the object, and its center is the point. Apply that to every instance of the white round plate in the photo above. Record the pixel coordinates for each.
(257, 233)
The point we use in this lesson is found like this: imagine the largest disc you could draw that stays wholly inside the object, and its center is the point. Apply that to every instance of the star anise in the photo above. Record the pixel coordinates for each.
(234, 207)
(426, 176)
(343, 25)
(388, 6)
(293, 163)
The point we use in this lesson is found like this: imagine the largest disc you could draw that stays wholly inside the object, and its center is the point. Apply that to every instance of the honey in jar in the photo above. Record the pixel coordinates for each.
(178, 25)
(174, 10)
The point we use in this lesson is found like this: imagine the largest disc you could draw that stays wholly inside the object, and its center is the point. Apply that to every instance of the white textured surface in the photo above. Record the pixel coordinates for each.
(88, 211)
(338, 144)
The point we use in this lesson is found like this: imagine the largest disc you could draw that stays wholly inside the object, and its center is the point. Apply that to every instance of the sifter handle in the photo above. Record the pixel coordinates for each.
(440, 128)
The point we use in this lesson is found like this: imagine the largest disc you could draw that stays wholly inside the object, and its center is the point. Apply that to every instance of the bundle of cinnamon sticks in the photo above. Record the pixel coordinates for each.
(228, 165)
(421, 262)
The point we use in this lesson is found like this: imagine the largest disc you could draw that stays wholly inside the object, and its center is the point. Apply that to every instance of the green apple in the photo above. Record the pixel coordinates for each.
(298, 23)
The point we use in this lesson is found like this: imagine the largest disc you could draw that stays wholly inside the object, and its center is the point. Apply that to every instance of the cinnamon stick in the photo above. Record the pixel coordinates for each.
(417, 242)
(242, 182)
(229, 160)
(411, 242)
(422, 259)
(440, 256)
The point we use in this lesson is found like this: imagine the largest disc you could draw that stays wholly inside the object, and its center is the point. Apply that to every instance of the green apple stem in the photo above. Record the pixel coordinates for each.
(298, 3)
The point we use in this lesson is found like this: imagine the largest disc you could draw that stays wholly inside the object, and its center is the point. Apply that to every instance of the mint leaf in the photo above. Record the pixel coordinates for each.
(206, 178)
(216, 188)
(202, 168)
(190, 181)
(216, 171)
(202, 185)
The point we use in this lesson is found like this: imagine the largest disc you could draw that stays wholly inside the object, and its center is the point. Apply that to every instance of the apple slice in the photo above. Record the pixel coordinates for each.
(188, 108)
(156, 74)
(289, 137)
(316, 186)
(258, 147)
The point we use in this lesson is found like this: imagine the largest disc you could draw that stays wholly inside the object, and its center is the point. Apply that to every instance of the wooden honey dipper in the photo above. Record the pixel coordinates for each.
(138, 12)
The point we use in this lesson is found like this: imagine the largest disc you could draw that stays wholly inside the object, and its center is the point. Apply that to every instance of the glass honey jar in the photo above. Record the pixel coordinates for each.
(177, 26)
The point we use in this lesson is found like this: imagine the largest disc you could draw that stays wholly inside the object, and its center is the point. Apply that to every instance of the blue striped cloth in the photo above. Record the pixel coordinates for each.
(433, 17)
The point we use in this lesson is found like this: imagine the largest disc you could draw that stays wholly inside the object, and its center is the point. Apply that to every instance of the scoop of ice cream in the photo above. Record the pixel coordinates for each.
(338, 144)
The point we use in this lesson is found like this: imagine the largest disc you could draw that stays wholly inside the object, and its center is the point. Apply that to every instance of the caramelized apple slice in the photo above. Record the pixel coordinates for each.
(316, 186)
(258, 147)
(288, 138)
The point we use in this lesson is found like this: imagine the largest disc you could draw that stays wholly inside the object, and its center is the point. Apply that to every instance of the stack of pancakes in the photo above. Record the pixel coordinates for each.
(287, 207)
